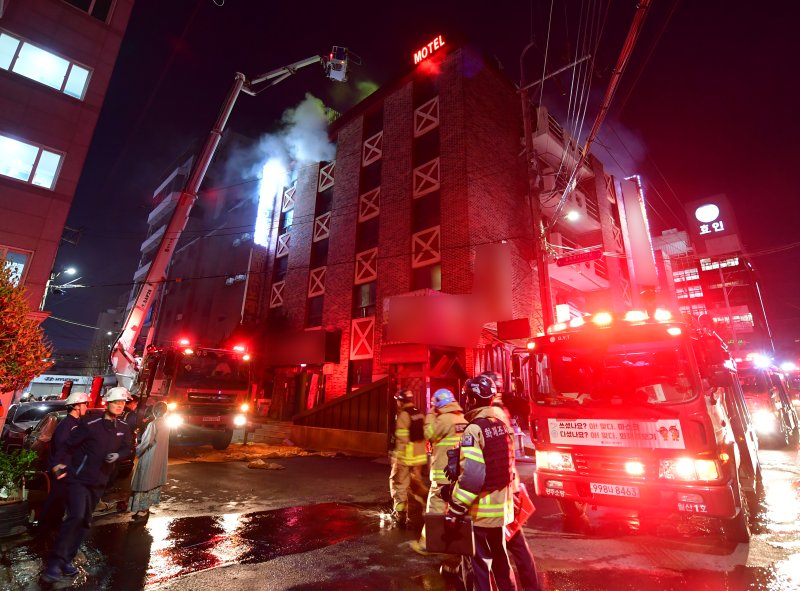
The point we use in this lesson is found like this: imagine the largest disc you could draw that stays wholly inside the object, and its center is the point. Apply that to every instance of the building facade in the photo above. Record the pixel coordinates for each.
(56, 59)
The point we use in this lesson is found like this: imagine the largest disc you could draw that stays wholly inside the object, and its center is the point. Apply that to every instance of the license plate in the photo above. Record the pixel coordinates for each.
(214, 419)
(616, 490)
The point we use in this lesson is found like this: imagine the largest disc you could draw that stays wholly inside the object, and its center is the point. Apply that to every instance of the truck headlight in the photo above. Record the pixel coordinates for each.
(688, 469)
(554, 460)
(244, 407)
(172, 406)
(239, 421)
(764, 421)
(174, 421)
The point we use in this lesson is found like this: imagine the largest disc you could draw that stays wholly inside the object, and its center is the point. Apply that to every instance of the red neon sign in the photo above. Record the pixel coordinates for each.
(428, 50)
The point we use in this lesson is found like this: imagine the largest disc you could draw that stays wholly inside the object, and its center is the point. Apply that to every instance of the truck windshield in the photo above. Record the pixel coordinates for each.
(753, 381)
(613, 374)
(212, 369)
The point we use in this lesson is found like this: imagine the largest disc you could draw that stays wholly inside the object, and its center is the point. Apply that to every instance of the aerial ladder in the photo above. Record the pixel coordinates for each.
(122, 357)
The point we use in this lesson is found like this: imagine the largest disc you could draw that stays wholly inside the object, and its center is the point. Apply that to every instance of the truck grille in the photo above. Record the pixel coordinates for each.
(212, 398)
(608, 466)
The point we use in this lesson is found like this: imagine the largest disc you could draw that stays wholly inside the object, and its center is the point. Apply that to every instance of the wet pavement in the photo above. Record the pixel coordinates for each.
(295, 544)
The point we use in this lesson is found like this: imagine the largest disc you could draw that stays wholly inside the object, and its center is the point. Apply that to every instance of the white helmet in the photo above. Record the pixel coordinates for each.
(77, 398)
(117, 393)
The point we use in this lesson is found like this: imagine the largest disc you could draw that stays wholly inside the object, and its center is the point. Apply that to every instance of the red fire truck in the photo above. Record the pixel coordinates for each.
(645, 412)
(206, 390)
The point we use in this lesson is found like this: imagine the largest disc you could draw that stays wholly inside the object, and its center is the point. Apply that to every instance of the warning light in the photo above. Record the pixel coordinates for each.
(188, 351)
(531, 345)
(183, 342)
(674, 331)
(602, 319)
(246, 357)
(239, 348)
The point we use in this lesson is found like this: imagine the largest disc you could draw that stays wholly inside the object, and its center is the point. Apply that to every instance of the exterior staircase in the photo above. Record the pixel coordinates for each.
(272, 432)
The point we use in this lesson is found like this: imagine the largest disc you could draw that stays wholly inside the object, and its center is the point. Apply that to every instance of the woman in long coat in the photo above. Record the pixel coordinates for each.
(150, 473)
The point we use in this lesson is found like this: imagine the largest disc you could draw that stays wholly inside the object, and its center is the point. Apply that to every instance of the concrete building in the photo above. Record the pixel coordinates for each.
(56, 59)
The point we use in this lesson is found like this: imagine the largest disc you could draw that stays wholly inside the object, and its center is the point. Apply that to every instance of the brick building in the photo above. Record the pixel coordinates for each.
(56, 59)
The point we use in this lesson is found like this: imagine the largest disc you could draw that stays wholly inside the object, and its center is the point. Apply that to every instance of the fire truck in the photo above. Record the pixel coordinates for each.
(206, 390)
(644, 412)
(769, 401)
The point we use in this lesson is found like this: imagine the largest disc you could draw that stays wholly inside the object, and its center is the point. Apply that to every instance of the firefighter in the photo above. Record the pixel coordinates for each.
(444, 425)
(53, 509)
(408, 457)
(84, 463)
(483, 489)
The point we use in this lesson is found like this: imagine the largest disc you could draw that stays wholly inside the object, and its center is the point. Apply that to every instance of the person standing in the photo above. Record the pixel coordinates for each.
(53, 509)
(483, 489)
(408, 457)
(150, 473)
(444, 425)
(85, 462)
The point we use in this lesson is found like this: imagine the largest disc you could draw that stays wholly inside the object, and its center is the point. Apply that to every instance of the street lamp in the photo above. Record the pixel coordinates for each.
(53, 276)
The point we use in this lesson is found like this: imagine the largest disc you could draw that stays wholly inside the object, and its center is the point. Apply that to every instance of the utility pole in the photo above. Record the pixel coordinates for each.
(728, 306)
(534, 199)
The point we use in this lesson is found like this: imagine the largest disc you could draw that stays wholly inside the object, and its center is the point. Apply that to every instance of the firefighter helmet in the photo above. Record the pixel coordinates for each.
(480, 389)
(496, 378)
(443, 397)
(77, 398)
(117, 393)
(405, 395)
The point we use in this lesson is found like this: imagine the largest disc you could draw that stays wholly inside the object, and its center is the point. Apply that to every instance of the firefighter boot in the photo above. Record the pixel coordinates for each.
(400, 518)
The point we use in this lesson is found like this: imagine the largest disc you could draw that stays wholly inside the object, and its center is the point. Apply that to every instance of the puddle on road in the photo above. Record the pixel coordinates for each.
(133, 556)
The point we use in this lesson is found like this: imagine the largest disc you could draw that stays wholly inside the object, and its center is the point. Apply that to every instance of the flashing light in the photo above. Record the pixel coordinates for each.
(761, 361)
(174, 421)
(602, 318)
(188, 351)
(303, 365)
(788, 366)
(557, 327)
(239, 421)
(246, 357)
(634, 468)
(764, 421)
(674, 331)
(239, 348)
(554, 460)
(244, 407)
(576, 322)
(635, 315)
(662, 315)
(688, 469)
(172, 406)
(531, 345)
(183, 342)
(572, 216)
(724, 457)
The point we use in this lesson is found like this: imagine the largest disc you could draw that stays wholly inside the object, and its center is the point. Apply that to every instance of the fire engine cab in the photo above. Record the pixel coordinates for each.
(642, 411)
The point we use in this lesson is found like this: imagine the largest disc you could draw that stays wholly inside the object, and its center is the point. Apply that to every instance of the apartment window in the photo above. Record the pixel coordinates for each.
(29, 163)
(426, 147)
(314, 312)
(319, 254)
(287, 217)
(35, 63)
(373, 122)
(371, 176)
(324, 201)
(686, 275)
(372, 149)
(709, 265)
(429, 277)
(694, 309)
(281, 268)
(424, 89)
(99, 9)
(360, 373)
(364, 299)
(426, 212)
(17, 261)
(367, 235)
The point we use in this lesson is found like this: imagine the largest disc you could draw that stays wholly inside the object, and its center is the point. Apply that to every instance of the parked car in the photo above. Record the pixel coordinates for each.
(24, 416)
(39, 439)
(770, 405)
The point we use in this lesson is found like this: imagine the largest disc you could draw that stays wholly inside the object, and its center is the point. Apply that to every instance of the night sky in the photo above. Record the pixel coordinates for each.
(706, 106)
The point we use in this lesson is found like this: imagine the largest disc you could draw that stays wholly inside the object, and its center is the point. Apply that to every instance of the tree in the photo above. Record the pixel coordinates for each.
(23, 348)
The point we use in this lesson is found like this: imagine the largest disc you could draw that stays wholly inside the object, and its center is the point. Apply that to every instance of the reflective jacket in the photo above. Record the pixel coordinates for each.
(407, 452)
(443, 428)
(87, 446)
(488, 508)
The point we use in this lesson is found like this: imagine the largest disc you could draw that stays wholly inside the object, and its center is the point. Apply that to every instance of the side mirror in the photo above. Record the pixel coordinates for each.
(720, 379)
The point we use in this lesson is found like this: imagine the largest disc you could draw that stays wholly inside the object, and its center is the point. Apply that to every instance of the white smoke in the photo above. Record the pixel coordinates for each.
(302, 139)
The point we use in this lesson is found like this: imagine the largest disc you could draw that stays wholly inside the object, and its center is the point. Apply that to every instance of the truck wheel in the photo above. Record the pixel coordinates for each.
(222, 439)
(738, 529)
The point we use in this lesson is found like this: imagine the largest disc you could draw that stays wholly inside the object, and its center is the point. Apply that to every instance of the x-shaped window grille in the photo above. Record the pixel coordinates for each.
(326, 177)
(366, 266)
(288, 198)
(276, 296)
(369, 205)
(426, 117)
(373, 149)
(426, 178)
(316, 282)
(362, 336)
(283, 245)
(611, 192)
(425, 248)
(322, 227)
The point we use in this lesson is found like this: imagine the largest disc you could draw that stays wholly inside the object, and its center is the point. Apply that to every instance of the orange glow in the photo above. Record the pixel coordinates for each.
(188, 351)
(531, 345)
(674, 331)
(634, 468)
(602, 318)
(239, 348)
(635, 315)
(576, 322)
(662, 315)
(183, 342)
(246, 357)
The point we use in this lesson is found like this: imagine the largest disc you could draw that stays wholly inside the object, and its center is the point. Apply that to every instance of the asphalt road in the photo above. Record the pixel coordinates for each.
(321, 524)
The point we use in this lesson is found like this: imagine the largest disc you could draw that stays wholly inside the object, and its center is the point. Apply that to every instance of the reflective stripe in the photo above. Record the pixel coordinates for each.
(400, 432)
(438, 474)
(464, 496)
(449, 441)
(473, 455)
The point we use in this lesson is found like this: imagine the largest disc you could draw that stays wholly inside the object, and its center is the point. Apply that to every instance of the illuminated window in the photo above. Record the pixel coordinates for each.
(686, 275)
(38, 64)
(694, 309)
(17, 261)
(99, 9)
(709, 265)
(29, 163)
(690, 291)
(429, 277)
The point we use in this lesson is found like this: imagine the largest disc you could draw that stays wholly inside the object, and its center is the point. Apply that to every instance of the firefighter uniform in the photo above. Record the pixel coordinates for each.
(484, 491)
(408, 458)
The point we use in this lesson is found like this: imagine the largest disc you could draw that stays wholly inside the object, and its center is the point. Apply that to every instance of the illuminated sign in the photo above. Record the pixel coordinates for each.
(428, 50)
(712, 225)
(709, 214)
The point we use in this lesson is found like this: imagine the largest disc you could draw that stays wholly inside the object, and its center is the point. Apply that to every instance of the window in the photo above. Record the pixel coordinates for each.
(29, 163)
(281, 268)
(372, 149)
(708, 264)
(426, 212)
(425, 178)
(326, 173)
(369, 205)
(686, 275)
(314, 312)
(287, 217)
(366, 266)
(426, 117)
(324, 201)
(367, 235)
(360, 373)
(429, 277)
(426, 148)
(319, 254)
(316, 282)
(373, 122)
(99, 9)
(17, 261)
(371, 176)
(364, 300)
(38, 64)
(362, 335)
(426, 247)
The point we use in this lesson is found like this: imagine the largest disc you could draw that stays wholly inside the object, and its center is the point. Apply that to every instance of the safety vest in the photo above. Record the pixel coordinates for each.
(498, 453)
(444, 430)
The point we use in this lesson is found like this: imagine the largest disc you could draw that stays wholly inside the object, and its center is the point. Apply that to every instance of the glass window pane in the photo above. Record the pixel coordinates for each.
(16, 262)
(76, 83)
(16, 158)
(46, 169)
(101, 9)
(8, 47)
(42, 66)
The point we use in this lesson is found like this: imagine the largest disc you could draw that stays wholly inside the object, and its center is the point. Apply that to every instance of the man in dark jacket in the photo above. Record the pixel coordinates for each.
(85, 462)
(53, 509)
